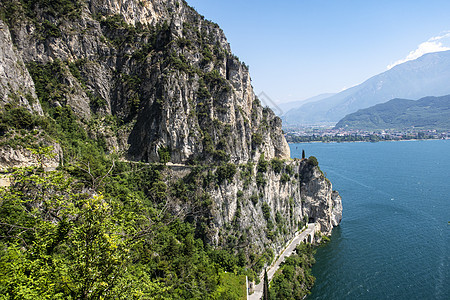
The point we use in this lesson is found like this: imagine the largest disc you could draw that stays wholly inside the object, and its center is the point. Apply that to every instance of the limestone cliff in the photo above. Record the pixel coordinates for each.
(15, 81)
(157, 82)
(321, 203)
(167, 74)
(268, 212)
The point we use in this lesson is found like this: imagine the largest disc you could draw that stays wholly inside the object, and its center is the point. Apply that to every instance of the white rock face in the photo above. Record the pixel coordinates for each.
(179, 122)
(337, 208)
(16, 85)
(4, 181)
(321, 203)
(15, 158)
(144, 12)
(306, 193)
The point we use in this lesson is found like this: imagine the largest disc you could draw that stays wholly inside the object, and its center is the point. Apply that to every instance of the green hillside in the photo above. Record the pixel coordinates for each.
(426, 113)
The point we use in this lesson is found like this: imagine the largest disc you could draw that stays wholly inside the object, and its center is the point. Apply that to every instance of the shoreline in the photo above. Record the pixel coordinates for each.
(341, 142)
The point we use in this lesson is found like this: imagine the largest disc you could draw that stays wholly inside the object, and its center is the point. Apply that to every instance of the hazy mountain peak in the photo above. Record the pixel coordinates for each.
(429, 75)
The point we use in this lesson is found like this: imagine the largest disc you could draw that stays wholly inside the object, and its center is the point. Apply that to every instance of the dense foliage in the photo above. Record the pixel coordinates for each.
(16, 117)
(312, 160)
(63, 239)
(99, 228)
(294, 279)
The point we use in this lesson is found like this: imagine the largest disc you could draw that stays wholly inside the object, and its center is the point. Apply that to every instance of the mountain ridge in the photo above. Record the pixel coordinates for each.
(425, 76)
(287, 106)
(401, 114)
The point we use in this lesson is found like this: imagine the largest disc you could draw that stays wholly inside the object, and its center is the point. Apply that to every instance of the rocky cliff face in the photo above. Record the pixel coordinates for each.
(321, 203)
(269, 214)
(262, 205)
(164, 72)
(156, 81)
(19, 157)
(16, 84)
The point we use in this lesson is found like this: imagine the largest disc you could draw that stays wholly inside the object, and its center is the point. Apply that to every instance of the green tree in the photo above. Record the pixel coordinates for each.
(262, 164)
(294, 279)
(226, 172)
(277, 165)
(60, 243)
(285, 178)
(266, 210)
(303, 154)
(312, 160)
(266, 286)
(164, 154)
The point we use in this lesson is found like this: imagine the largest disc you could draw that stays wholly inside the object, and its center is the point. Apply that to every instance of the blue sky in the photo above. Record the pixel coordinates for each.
(299, 49)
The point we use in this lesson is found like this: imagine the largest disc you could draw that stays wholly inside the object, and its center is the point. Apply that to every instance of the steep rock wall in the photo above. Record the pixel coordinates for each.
(321, 203)
(20, 157)
(167, 74)
(16, 85)
(259, 209)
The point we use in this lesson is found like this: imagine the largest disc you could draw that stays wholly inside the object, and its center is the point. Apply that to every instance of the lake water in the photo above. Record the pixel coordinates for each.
(394, 239)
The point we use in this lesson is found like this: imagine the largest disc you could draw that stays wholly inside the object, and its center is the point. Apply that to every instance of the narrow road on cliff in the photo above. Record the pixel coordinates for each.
(258, 289)
(168, 164)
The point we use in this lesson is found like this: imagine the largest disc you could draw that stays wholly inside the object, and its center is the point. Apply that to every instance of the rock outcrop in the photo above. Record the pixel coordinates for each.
(322, 205)
(269, 214)
(16, 158)
(16, 85)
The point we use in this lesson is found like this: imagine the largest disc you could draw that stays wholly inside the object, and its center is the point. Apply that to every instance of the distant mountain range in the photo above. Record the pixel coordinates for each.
(426, 113)
(287, 106)
(428, 75)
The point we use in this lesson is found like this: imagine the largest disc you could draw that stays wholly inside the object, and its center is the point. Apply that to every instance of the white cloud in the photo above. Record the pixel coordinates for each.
(434, 44)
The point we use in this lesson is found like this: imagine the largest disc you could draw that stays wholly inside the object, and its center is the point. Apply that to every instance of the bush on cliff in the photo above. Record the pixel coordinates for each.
(312, 160)
(226, 172)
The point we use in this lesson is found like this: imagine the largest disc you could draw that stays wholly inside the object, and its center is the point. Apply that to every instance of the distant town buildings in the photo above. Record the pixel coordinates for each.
(323, 134)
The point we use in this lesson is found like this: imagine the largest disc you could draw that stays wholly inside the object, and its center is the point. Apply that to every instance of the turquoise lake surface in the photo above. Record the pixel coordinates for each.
(394, 238)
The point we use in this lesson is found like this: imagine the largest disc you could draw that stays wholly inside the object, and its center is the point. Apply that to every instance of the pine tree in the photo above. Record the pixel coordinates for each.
(303, 154)
(266, 286)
